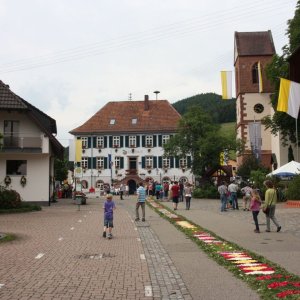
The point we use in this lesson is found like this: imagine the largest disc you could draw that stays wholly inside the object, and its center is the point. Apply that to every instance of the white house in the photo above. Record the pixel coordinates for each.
(28, 148)
(123, 143)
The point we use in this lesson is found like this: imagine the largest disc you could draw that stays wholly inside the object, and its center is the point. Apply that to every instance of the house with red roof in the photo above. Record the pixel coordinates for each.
(123, 143)
(29, 148)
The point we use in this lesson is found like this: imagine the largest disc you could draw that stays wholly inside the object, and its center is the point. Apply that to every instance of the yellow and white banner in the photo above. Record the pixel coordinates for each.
(78, 150)
(260, 80)
(289, 97)
(226, 79)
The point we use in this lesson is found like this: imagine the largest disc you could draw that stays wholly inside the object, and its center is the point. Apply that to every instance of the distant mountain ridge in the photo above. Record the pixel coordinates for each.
(222, 111)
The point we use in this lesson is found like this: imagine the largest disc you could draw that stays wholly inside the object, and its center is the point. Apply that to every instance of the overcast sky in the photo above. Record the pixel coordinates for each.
(71, 57)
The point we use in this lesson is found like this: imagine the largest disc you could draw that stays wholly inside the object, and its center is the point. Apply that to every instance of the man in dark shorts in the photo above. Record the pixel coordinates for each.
(175, 194)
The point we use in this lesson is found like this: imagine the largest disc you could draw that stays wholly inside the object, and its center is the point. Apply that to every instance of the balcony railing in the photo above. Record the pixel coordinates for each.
(17, 142)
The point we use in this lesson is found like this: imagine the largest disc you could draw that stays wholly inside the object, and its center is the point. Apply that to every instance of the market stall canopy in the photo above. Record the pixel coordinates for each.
(290, 169)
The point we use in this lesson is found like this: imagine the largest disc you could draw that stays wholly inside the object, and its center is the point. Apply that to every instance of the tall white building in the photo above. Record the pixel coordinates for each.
(123, 143)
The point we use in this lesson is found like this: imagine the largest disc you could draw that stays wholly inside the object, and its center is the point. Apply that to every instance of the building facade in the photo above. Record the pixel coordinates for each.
(28, 148)
(123, 144)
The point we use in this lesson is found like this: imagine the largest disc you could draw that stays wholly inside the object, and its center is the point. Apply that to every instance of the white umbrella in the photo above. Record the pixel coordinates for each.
(290, 169)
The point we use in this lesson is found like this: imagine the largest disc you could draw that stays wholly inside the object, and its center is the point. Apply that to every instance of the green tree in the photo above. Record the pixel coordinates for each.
(279, 68)
(249, 165)
(199, 137)
(60, 169)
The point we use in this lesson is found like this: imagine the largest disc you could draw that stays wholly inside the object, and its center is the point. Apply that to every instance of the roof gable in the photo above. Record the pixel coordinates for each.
(150, 115)
(259, 43)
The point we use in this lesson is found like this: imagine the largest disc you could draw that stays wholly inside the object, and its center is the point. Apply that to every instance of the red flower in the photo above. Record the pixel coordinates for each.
(275, 285)
(287, 293)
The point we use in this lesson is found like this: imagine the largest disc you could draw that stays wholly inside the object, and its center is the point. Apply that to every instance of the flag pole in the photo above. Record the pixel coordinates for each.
(297, 139)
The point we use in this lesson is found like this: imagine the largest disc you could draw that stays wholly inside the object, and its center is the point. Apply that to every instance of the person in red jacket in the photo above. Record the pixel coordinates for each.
(175, 194)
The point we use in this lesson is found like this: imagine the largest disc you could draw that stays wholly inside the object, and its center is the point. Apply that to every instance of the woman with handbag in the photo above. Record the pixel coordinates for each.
(270, 205)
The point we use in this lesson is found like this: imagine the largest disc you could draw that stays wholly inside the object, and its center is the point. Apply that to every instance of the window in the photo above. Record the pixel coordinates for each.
(132, 141)
(100, 142)
(149, 162)
(16, 167)
(255, 73)
(165, 139)
(166, 163)
(182, 162)
(133, 121)
(149, 140)
(116, 141)
(100, 162)
(258, 108)
(117, 162)
(11, 132)
(112, 122)
(84, 141)
(84, 162)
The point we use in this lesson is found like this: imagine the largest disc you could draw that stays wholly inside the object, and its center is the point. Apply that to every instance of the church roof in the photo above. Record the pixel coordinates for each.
(132, 116)
(258, 43)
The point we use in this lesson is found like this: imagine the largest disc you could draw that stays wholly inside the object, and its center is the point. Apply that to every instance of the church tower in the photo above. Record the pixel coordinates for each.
(253, 51)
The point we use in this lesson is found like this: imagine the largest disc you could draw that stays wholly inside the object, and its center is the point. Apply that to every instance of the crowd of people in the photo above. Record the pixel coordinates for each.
(251, 202)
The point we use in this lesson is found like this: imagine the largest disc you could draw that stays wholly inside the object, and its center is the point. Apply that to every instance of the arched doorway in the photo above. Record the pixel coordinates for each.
(132, 186)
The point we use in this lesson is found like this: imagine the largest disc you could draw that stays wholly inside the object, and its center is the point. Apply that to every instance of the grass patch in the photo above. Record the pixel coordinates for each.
(280, 284)
(25, 207)
(8, 238)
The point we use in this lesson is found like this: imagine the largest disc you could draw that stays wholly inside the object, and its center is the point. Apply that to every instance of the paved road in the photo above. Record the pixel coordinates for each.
(60, 254)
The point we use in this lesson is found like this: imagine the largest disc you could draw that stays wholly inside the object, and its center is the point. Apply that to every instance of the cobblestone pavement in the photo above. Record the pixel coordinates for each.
(61, 254)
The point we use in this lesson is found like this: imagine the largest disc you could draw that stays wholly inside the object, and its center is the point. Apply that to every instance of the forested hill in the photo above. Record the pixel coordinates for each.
(222, 111)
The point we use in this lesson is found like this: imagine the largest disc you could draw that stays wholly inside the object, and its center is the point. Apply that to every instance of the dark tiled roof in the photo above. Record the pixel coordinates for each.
(254, 43)
(11, 101)
(160, 117)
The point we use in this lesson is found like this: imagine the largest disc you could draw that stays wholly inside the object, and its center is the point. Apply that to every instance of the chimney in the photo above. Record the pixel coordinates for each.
(146, 102)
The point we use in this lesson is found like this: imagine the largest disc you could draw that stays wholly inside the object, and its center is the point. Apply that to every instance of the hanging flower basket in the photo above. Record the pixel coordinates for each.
(7, 180)
(23, 181)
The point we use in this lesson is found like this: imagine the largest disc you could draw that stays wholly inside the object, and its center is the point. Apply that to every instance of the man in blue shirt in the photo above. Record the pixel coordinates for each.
(141, 198)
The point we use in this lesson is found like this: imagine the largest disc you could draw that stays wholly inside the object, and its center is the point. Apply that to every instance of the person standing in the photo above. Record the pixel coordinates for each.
(188, 196)
(255, 207)
(181, 186)
(166, 190)
(247, 196)
(270, 201)
(233, 189)
(108, 207)
(170, 190)
(158, 189)
(122, 189)
(175, 194)
(141, 199)
(222, 189)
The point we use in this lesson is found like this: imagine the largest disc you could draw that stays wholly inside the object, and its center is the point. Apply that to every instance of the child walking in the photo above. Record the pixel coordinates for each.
(108, 207)
(255, 207)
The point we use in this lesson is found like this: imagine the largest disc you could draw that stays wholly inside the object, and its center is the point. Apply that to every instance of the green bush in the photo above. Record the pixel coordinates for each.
(9, 199)
(209, 192)
(293, 191)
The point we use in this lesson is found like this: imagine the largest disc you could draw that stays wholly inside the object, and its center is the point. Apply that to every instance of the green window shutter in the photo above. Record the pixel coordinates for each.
(89, 162)
(94, 142)
(89, 142)
(154, 161)
(138, 141)
(143, 162)
(176, 162)
(105, 162)
(143, 141)
(105, 142)
(189, 161)
(110, 142)
(126, 141)
(160, 161)
(121, 162)
(171, 162)
(121, 141)
(154, 140)
(94, 163)
(160, 140)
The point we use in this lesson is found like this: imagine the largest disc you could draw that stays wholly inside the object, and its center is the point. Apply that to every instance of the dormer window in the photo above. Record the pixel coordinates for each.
(133, 121)
(112, 121)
